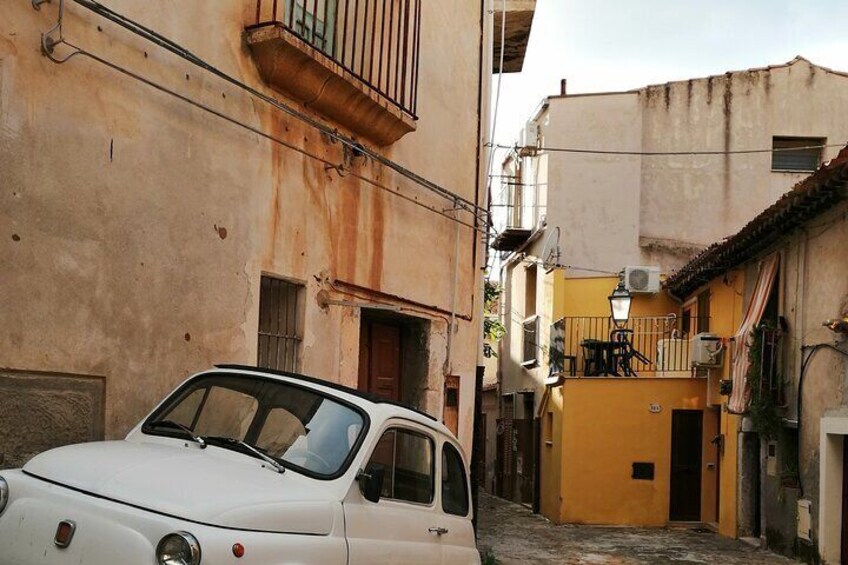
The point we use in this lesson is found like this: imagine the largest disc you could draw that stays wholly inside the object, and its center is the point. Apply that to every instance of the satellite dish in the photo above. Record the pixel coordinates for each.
(551, 252)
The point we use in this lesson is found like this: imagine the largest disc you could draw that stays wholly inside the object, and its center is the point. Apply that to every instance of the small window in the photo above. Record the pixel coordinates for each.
(454, 482)
(531, 342)
(703, 324)
(406, 458)
(803, 154)
(280, 324)
(530, 280)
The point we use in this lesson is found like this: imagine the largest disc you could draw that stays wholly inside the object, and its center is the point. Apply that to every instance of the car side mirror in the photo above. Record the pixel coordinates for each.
(371, 483)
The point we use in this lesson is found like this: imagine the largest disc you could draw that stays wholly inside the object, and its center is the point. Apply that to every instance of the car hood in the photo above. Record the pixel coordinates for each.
(213, 486)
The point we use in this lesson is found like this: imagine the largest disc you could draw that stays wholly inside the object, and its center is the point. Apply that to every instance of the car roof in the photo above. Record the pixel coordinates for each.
(363, 399)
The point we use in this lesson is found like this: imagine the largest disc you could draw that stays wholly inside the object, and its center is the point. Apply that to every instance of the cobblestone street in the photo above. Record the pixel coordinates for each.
(511, 534)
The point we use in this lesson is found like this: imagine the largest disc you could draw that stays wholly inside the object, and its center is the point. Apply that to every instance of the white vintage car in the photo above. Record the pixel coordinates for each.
(242, 465)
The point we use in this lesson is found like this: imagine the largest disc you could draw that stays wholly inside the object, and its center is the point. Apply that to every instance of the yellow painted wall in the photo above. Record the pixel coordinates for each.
(600, 426)
(726, 312)
(590, 297)
(606, 427)
(728, 499)
(550, 457)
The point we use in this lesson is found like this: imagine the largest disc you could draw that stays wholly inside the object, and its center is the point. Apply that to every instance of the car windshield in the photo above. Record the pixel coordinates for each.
(302, 429)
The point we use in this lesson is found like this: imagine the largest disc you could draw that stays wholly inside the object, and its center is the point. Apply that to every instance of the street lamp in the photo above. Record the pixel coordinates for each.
(620, 305)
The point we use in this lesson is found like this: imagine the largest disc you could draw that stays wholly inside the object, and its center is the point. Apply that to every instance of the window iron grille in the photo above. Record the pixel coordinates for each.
(280, 326)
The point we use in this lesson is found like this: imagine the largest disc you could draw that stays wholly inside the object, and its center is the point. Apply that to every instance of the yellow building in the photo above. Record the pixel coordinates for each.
(642, 451)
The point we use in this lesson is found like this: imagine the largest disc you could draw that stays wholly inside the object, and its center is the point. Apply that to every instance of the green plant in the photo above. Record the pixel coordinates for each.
(493, 329)
(763, 409)
(489, 559)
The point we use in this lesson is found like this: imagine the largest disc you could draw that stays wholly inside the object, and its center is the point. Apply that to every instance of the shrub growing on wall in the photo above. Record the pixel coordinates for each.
(763, 410)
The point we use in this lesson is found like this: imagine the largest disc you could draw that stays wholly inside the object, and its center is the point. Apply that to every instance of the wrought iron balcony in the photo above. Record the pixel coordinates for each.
(355, 61)
(514, 214)
(594, 346)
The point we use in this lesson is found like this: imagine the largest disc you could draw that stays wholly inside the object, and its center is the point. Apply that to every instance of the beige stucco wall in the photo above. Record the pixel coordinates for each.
(594, 199)
(141, 225)
(814, 285)
(618, 210)
(736, 111)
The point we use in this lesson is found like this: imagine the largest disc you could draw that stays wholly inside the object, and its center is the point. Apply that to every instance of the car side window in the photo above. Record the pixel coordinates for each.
(454, 483)
(406, 458)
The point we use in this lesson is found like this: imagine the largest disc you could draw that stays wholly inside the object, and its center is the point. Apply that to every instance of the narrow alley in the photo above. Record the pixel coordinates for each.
(511, 534)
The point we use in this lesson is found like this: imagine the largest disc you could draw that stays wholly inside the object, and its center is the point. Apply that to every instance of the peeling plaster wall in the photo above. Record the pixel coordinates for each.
(813, 287)
(134, 228)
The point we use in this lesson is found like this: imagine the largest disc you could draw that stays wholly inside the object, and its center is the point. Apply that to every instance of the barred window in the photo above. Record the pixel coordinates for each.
(280, 324)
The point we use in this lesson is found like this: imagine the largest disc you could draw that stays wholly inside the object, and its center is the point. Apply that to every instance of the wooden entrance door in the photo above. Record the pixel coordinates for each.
(686, 439)
(380, 359)
(845, 500)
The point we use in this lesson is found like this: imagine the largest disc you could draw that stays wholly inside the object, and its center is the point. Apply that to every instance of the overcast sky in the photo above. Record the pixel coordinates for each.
(601, 45)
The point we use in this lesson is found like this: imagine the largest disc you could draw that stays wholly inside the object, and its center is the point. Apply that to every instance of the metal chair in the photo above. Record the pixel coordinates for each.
(623, 358)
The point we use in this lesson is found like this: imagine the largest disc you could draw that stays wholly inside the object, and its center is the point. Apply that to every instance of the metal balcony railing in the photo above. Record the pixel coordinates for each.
(594, 346)
(378, 41)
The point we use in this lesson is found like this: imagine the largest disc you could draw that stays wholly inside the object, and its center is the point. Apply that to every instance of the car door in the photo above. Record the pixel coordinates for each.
(397, 528)
(457, 532)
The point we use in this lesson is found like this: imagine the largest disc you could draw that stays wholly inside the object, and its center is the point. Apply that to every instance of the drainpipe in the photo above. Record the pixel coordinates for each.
(449, 359)
(478, 435)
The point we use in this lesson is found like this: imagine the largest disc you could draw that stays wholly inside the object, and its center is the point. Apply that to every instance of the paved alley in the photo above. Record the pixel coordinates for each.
(512, 534)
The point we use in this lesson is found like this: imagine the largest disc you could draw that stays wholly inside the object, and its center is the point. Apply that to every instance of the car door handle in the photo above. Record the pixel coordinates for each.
(438, 531)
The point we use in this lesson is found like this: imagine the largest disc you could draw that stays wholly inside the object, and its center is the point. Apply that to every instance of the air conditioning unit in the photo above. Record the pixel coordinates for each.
(642, 279)
(707, 350)
(530, 135)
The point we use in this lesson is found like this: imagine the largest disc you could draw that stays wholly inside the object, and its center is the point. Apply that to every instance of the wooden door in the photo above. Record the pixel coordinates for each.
(686, 439)
(845, 500)
(380, 360)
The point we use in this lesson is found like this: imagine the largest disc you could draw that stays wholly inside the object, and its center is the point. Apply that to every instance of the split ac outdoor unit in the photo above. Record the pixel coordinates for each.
(707, 350)
(642, 279)
(530, 135)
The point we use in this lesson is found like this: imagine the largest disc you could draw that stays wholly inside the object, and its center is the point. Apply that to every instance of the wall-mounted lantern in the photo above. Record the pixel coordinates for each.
(620, 300)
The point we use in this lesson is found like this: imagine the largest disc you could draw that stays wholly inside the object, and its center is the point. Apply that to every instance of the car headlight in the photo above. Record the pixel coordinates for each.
(180, 548)
(4, 494)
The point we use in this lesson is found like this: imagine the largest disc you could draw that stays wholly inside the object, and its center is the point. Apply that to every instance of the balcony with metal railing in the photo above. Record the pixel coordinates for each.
(514, 213)
(354, 61)
(646, 346)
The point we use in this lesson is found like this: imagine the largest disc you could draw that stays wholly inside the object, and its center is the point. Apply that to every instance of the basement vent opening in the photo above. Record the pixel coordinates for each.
(643, 471)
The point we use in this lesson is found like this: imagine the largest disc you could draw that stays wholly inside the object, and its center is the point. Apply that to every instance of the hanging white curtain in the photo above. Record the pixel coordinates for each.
(740, 398)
